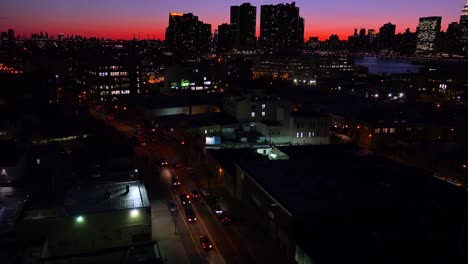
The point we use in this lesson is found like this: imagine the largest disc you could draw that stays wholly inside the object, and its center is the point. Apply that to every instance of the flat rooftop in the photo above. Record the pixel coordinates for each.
(93, 199)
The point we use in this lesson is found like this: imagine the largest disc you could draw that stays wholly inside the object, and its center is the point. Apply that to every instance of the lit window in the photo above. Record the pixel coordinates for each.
(302, 134)
(263, 106)
(297, 134)
(253, 114)
(206, 131)
(384, 130)
(377, 131)
(263, 113)
(392, 130)
(310, 134)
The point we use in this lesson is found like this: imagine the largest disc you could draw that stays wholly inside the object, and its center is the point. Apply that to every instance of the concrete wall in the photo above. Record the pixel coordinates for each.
(274, 221)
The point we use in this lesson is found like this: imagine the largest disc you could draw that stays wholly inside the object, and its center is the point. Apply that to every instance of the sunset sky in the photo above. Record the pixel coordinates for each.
(124, 18)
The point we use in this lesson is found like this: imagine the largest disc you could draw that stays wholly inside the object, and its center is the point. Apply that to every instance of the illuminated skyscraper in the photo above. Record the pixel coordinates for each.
(427, 33)
(243, 22)
(464, 28)
(186, 35)
(281, 28)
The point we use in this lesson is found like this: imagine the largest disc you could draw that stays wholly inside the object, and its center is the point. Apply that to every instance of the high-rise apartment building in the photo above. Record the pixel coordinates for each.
(224, 42)
(427, 33)
(243, 22)
(187, 35)
(281, 28)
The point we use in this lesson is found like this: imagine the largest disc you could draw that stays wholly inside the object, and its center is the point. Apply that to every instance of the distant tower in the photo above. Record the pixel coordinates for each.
(427, 34)
(464, 28)
(11, 34)
(387, 36)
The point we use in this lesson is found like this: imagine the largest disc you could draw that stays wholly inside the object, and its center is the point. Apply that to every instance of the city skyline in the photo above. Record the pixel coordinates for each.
(147, 18)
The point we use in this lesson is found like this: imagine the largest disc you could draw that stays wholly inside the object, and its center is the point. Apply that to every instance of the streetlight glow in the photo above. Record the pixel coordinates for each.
(134, 213)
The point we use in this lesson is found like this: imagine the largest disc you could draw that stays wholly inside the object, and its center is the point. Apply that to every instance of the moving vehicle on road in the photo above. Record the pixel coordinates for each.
(184, 199)
(205, 242)
(175, 182)
(224, 219)
(189, 170)
(205, 192)
(190, 215)
(163, 162)
(196, 194)
(218, 210)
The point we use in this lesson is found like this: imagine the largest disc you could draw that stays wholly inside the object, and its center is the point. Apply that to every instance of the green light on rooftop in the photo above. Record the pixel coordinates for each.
(79, 219)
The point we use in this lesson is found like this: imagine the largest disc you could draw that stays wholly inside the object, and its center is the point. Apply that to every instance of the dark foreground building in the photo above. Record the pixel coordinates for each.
(337, 204)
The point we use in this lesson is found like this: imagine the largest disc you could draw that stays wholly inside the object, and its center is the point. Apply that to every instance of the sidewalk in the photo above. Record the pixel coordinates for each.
(172, 250)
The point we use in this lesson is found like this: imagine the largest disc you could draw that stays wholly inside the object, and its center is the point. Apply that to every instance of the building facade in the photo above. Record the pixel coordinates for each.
(243, 23)
(186, 35)
(281, 29)
(427, 34)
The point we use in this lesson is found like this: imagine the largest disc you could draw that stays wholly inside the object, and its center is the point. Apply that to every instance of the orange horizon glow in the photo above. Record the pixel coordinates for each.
(144, 18)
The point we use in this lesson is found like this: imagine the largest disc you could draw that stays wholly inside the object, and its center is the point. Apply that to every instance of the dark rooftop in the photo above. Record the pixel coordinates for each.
(367, 208)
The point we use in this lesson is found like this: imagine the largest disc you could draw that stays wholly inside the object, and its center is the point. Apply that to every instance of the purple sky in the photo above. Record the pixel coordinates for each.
(123, 18)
